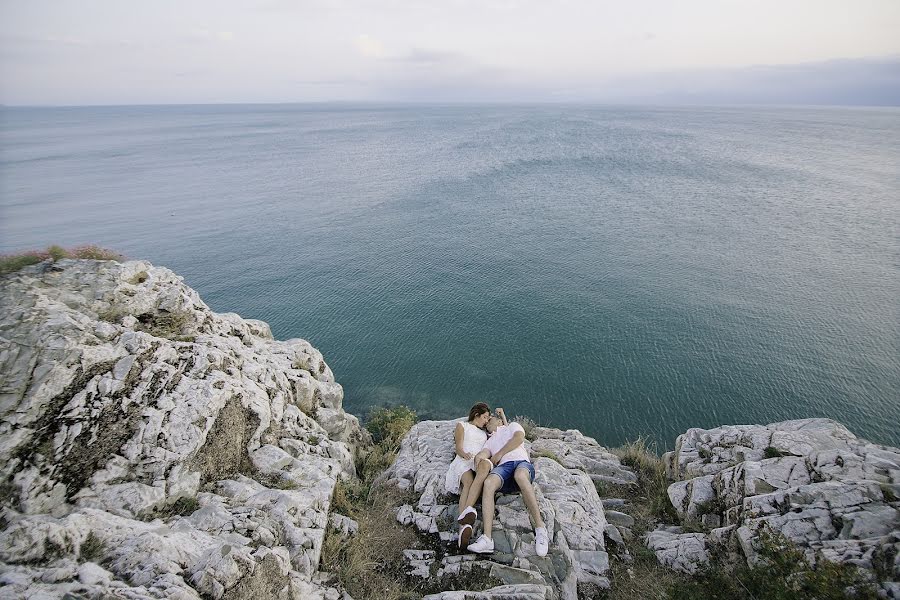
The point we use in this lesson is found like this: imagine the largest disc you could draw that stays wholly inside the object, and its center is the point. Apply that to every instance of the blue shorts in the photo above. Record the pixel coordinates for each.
(506, 471)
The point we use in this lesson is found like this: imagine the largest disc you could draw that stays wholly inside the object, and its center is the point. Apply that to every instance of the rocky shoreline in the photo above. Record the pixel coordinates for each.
(152, 448)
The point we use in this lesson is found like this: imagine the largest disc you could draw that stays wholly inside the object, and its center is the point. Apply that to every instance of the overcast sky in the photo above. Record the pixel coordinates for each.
(199, 51)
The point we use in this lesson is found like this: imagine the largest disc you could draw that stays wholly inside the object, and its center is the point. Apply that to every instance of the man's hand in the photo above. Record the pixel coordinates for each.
(466, 456)
(495, 459)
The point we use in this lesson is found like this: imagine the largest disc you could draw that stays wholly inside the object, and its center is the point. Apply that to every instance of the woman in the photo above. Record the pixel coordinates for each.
(469, 439)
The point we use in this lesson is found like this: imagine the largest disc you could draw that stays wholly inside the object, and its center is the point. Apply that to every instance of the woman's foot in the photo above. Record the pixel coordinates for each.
(468, 516)
(465, 534)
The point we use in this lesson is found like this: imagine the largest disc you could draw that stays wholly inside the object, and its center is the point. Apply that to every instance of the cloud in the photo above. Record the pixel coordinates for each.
(369, 46)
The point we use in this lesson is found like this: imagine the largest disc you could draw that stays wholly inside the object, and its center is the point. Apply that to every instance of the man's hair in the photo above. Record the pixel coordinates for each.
(478, 410)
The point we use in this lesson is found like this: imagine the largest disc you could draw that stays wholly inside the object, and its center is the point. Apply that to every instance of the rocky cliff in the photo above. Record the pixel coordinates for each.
(151, 448)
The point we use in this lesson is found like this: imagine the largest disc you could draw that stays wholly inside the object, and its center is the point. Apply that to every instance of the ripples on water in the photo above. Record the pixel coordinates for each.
(622, 271)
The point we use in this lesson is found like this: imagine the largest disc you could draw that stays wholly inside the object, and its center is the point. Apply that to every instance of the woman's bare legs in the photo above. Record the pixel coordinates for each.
(466, 483)
(483, 468)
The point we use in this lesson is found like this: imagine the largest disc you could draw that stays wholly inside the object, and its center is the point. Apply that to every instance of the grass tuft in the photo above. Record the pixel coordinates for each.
(546, 454)
(11, 263)
(528, 424)
(782, 574)
(92, 548)
(772, 452)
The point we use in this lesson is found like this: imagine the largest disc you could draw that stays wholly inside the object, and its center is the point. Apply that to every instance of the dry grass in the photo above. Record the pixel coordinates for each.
(650, 496)
(528, 424)
(648, 503)
(643, 578)
(370, 564)
(11, 263)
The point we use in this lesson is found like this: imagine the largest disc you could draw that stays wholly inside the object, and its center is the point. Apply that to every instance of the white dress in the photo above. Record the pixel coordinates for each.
(473, 441)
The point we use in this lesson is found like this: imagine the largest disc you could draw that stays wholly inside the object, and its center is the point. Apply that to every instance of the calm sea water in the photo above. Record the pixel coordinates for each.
(623, 271)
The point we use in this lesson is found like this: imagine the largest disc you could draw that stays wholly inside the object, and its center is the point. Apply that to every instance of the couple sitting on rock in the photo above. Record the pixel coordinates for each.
(491, 457)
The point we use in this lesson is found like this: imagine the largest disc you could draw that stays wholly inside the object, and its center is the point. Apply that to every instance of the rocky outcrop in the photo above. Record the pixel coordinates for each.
(566, 463)
(151, 448)
(812, 480)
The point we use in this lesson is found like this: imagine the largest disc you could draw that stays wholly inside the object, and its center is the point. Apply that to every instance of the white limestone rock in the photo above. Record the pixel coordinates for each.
(685, 552)
(122, 396)
(567, 497)
(811, 480)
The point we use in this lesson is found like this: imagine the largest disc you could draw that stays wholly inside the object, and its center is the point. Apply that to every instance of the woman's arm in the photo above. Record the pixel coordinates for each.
(458, 436)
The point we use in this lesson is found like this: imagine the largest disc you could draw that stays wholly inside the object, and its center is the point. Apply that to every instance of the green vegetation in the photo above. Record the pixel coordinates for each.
(782, 574)
(163, 324)
(139, 278)
(545, 454)
(13, 262)
(652, 484)
(184, 506)
(772, 452)
(370, 564)
(388, 425)
(92, 548)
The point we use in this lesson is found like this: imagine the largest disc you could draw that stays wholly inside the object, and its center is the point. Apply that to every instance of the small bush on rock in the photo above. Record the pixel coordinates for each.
(11, 264)
(772, 452)
(782, 574)
(389, 425)
(92, 548)
(528, 425)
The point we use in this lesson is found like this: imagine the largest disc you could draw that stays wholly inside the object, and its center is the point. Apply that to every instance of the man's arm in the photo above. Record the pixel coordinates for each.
(517, 440)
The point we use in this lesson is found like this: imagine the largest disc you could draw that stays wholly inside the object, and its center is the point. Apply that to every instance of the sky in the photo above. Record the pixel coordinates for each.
(68, 52)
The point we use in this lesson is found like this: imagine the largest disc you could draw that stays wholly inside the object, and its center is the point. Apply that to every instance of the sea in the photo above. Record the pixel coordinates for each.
(626, 271)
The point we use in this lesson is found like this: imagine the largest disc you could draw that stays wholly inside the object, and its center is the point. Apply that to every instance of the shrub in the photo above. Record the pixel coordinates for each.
(164, 324)
(92, 548)
(57, 253)
(389, 425)
(772, 452)
(782, 574)
(184, 506)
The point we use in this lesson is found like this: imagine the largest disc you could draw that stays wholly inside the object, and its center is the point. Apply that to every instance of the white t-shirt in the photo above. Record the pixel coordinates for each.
(499, 439)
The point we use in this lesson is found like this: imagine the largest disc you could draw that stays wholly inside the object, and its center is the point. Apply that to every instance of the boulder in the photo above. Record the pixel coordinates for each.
(811, 480)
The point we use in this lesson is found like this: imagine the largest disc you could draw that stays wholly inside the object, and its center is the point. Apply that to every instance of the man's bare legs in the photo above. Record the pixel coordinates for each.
(523, 478)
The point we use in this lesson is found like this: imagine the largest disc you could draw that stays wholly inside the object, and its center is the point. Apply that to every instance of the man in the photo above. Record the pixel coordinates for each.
(512, 472)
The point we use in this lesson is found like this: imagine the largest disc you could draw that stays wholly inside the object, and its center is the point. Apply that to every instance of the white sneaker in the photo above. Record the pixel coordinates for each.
(468, 516)
(541, 541)
(483, 545)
